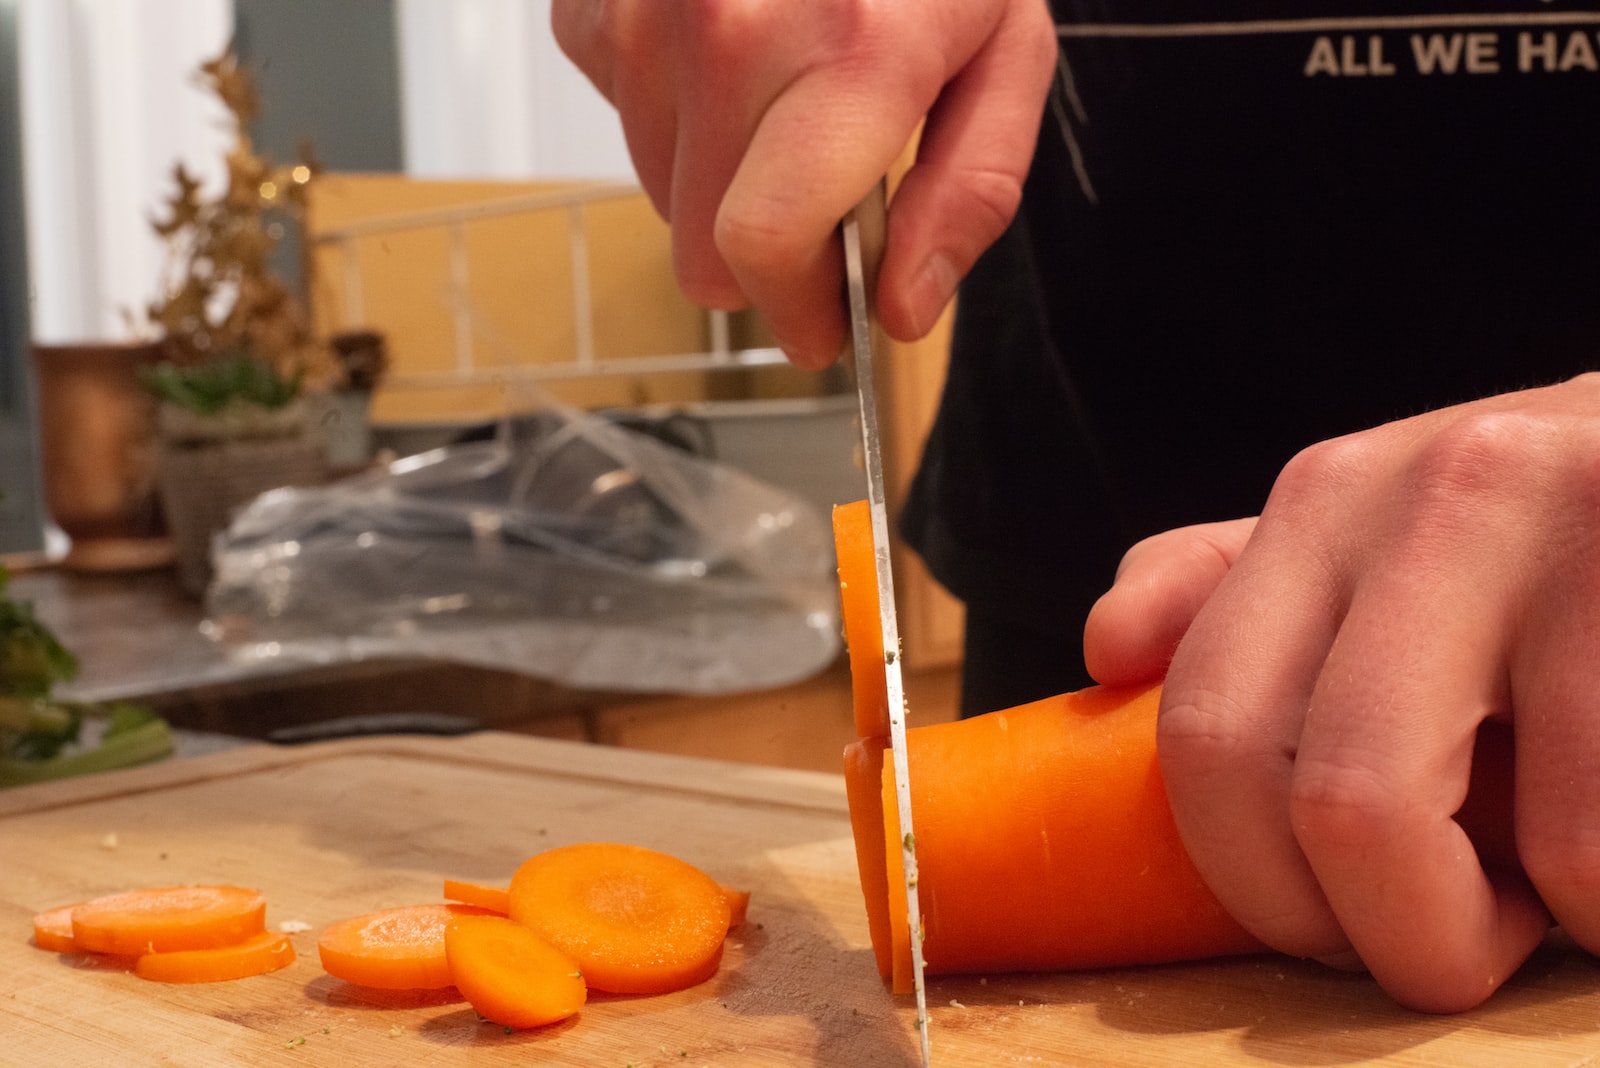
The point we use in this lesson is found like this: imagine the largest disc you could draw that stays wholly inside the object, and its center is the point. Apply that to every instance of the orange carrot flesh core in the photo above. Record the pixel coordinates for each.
(511, 975)
(863, 630)
(257, 955)
(393, 949)
(636, 921)
(52, 930)
(493, 898)
(165, 919)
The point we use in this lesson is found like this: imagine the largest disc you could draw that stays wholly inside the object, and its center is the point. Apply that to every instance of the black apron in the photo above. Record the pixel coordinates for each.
(1244, 233)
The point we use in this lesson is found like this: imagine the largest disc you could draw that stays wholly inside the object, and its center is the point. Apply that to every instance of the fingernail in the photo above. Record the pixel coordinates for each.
(935, 283)
(806, 361)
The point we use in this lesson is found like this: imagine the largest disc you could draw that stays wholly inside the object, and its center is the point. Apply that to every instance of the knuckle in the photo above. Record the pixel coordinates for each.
(1478, 454)
(1320, 471)
(1342, 804)
(1201, 730)
(757, 237)
(989, 199)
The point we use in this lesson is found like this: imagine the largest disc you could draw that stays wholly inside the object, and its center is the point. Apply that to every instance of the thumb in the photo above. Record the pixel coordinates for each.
(1135, 627)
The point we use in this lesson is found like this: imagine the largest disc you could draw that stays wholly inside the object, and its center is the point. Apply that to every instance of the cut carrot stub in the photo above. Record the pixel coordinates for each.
(863, 630)
(393, 949)
(511, 975)
(738, 904)
(169, 918)
(1045, 841)
(257, 955)
(493, 898)
(52, 930)
(636, 921)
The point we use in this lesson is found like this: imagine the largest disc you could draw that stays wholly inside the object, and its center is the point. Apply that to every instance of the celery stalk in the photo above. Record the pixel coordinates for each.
(138, 744)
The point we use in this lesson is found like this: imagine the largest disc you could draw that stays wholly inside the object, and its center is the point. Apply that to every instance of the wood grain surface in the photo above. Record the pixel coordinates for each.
(346, 827)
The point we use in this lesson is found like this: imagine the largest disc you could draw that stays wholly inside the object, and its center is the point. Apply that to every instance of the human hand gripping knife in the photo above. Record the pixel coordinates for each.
(864, 235)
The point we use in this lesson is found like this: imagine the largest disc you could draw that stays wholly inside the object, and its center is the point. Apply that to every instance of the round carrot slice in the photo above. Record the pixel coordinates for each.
(509, 974)
(636, 921)
(257, 955)
(393, 949)
(167, 918)
(52, 930)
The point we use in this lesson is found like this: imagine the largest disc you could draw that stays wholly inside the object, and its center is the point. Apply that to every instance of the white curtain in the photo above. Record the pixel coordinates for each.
(109, 105)
(485, 93)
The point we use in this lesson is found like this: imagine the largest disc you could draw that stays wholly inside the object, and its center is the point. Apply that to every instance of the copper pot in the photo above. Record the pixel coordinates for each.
(97, 441)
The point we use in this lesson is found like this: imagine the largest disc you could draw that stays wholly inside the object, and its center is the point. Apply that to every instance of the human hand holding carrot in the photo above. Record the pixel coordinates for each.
(1403, 587)
(755, 126)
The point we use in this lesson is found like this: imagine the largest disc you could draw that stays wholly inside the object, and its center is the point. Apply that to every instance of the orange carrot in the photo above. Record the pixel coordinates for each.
(393, 949)
(636, 921)
(863, 631)
(738, 904)
(257, 955)
(52, 930)
(510, 974)
(863, 783)
(1043, 834)
(168, 918)
(1044, 837)
(1044, 840)
(493, 898)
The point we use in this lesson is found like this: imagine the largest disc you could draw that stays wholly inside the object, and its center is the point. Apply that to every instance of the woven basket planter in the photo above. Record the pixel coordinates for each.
(205, 480)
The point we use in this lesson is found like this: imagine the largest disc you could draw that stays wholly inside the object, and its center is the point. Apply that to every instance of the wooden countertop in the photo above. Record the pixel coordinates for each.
(332, 830)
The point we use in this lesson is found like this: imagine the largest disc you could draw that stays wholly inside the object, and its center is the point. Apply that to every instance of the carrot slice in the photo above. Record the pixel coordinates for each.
(392, 949)
(863, 784)
(901, 974)
(257, 955)
(52, 930)
(510, 974)
(738, 904)
(636, 921)
(863, 630)
(493, 898)
(163, 919)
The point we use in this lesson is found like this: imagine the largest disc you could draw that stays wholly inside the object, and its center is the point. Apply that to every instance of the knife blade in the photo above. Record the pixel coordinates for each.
(864, 232)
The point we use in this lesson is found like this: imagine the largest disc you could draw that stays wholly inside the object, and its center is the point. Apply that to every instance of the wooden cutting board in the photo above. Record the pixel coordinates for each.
(346, 827)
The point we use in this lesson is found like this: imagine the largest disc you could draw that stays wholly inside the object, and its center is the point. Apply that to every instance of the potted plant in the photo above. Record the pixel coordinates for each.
(239, 351)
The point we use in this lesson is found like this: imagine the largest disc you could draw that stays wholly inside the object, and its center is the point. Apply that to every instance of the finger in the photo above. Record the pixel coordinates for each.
(1557, 806)
(579, 27)
(1230, 719)
(1135, 627)
(720, 107)
(809, 163)
(973, 157)
(650, 129)
(617, 45)
(1383, 766)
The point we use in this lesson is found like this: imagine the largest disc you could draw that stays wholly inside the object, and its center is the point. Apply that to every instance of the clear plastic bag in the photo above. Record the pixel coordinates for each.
(569, 548)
